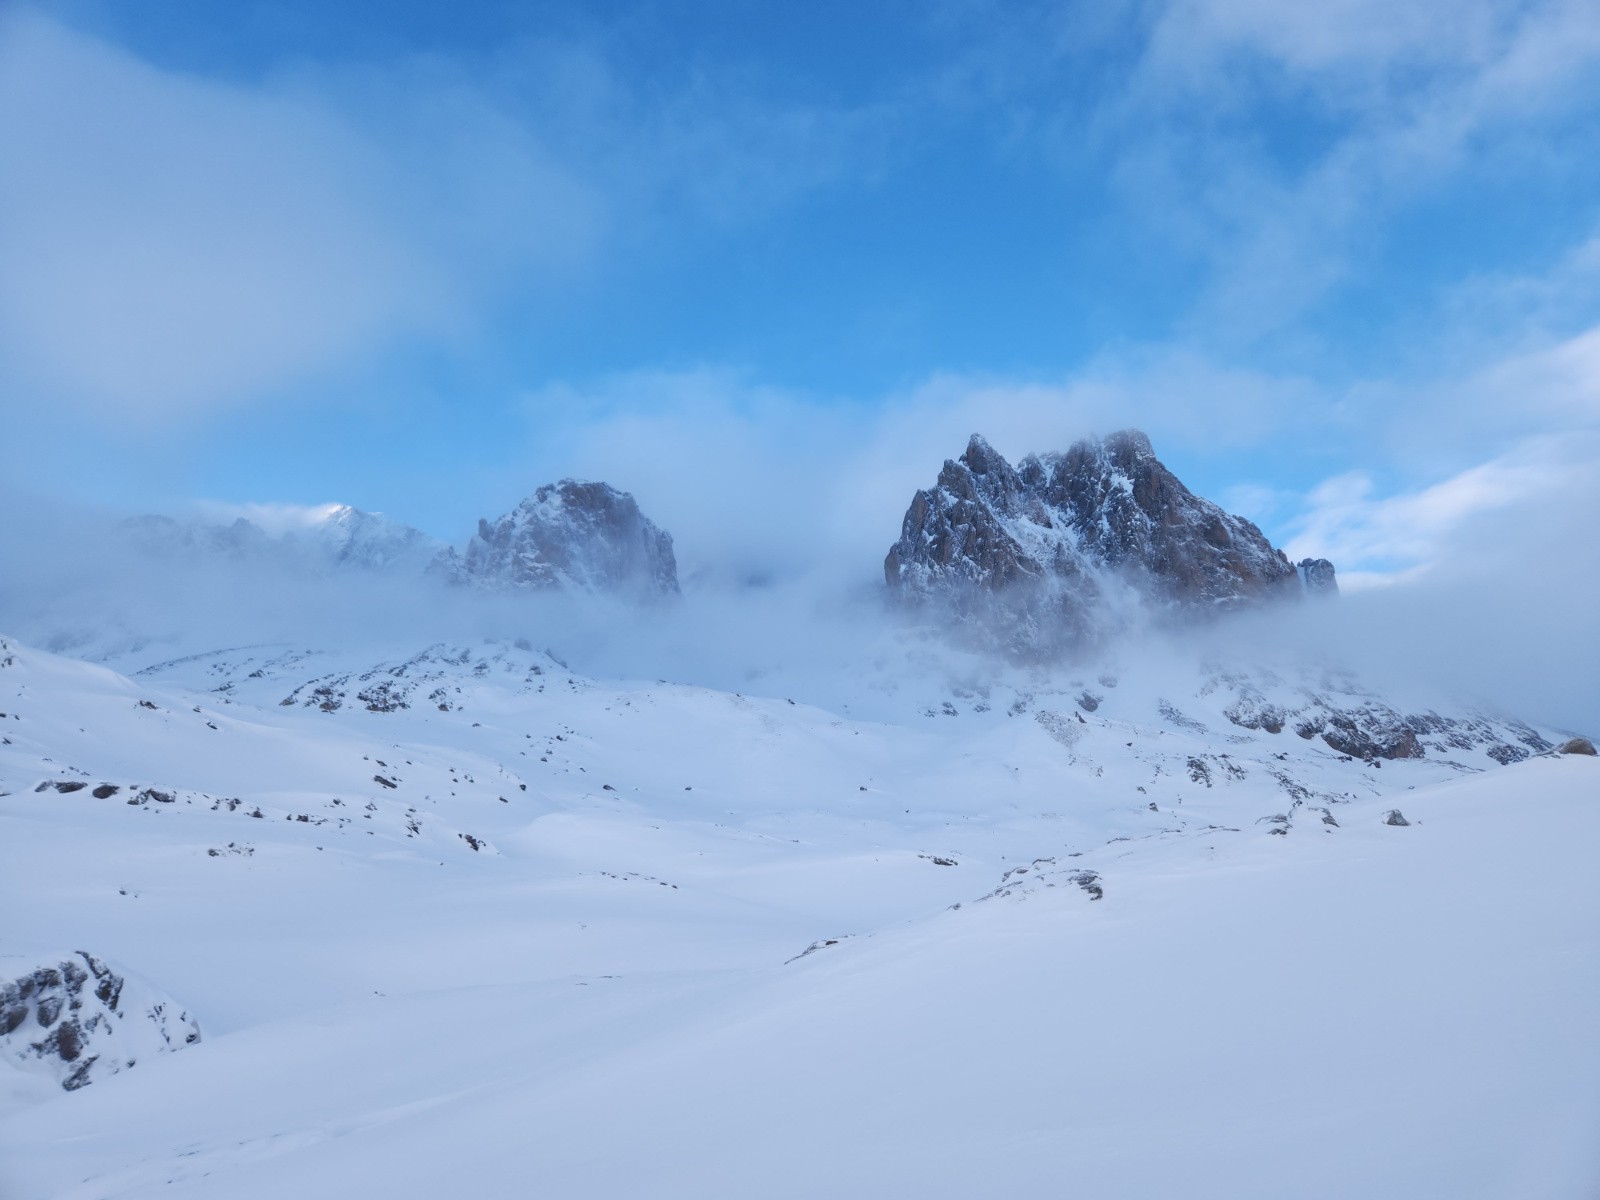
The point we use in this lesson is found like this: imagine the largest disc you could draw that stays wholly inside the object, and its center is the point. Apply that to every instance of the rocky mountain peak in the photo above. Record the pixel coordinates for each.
(1054, 545)
(574, 534)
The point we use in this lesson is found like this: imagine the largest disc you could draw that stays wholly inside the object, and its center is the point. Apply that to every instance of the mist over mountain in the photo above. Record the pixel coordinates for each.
(333, 537)
(920, 600)
(508, 777)
(1096, 554)
(571, 534)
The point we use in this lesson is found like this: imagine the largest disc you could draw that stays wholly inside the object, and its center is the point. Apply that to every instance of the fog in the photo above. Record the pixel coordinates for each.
(1503, 619)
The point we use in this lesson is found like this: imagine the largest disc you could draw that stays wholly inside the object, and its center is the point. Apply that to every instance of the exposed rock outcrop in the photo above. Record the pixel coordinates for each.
(78, 1020)
(1334, 709)
(1317, 576)
(569, 534)
(1050, 553)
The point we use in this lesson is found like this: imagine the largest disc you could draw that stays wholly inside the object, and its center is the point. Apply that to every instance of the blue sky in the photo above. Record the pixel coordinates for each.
(767, 265)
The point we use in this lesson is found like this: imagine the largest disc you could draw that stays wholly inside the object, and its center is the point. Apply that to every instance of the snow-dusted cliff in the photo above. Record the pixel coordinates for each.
(570, 534)
(1063, 547)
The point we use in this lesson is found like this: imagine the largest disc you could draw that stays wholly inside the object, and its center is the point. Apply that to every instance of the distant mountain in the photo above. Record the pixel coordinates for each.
(347, 537)
(570, 534)
(1065, 547)
(165, 537)
(336, 536)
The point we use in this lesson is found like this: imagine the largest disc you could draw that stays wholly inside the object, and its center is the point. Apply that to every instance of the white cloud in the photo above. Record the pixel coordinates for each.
(1389, 103)
(170, 244)
(1335, 34)
(1558, 382)
(1407, 535)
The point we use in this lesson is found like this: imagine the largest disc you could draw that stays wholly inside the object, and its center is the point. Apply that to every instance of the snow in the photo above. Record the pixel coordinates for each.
(609, 997)
(77, 1019)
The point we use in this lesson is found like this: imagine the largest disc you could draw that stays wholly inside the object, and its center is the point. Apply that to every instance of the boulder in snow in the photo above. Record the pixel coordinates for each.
(78, 1020)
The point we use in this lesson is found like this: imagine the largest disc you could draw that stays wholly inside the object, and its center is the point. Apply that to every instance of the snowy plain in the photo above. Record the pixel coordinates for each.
(503, 929)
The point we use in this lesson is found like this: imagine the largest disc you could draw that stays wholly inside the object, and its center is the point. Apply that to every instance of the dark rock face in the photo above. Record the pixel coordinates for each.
(1371, 732)
(80, 1020)
(1050, 548)
(568, 534)
(1129, 510)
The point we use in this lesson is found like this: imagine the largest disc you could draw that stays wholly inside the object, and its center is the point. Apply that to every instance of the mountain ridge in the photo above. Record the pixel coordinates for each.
(1051, 554)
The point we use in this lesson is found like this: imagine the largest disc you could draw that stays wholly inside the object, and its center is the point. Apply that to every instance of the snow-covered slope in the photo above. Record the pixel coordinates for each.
(461, 913)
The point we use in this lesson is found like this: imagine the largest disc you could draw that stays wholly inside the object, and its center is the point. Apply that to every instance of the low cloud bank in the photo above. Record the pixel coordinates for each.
(1506, 621)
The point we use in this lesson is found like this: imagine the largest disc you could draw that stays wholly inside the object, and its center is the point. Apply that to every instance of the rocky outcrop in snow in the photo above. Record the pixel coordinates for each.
(570, 534)
(1335, 711)
(1059, 548)
(78, 1020)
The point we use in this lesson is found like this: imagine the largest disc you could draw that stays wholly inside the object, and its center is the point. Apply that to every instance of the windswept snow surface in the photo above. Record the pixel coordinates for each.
(461, 921)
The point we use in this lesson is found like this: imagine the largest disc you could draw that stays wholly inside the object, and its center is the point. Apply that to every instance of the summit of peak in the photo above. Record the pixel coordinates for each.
(1130, 441)
(571, 533)
(1060, 546)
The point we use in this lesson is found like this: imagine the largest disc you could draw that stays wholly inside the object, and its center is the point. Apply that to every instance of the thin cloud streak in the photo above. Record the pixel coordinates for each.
(1402, 535)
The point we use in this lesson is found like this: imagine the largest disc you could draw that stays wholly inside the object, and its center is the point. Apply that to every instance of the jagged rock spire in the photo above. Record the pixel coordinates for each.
(1055, 546)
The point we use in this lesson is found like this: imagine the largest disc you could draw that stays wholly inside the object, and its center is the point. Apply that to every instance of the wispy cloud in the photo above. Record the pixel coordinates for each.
(169, 244)
(1278, 141)
(173, 244)
(1401, 536)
